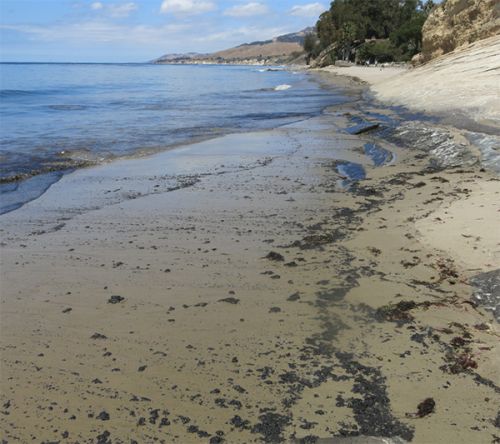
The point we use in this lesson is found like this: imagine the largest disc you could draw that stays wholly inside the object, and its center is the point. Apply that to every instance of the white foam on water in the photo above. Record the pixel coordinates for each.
(282, 87)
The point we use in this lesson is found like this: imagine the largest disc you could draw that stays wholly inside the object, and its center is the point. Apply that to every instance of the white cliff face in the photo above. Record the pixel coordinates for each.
(454, 23)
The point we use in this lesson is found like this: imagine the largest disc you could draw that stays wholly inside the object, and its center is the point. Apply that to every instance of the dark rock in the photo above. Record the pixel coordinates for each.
(221, 402)
(103, 416)
(273, 256)
(487, 291)
(364, 129)
(239, 389)
(115, 299)
(154, 415)
(426, 407)
(235, 403)
(98, 336)
(200, 433)
(103, 438)
(230, 300)
(239, 423)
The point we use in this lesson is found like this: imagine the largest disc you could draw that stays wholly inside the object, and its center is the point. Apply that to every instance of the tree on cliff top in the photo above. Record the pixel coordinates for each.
(351, 23)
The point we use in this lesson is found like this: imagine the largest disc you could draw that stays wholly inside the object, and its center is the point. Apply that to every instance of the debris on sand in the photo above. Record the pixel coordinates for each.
(271, 426)
(273, 256)
(293, 297)
(446, 269)
(460, 363)
(230, 300)
(398, 312)
(98, 336)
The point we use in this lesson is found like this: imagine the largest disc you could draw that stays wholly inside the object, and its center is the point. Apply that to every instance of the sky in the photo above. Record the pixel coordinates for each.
(141, 30)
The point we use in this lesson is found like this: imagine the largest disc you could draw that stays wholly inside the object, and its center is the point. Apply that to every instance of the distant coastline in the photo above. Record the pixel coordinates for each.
(282, 50)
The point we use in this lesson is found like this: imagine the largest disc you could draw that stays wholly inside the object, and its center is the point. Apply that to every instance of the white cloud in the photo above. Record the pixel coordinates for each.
(242, 34)
(99, 31)
(116, 10)
(186, 6)
(121, 9)
(153, 40)
(309, 10)
(247, 10)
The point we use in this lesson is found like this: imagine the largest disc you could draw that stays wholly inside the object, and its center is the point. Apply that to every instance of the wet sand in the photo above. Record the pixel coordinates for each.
(245, 290)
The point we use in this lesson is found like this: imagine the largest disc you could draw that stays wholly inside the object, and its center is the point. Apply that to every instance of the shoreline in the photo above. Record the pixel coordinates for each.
(343, 331)
(66, 162)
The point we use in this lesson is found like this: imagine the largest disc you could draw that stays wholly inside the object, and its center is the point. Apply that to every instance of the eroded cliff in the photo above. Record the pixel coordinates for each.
(454, 23)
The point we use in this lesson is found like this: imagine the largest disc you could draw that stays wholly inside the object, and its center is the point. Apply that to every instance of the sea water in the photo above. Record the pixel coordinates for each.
(56, 117)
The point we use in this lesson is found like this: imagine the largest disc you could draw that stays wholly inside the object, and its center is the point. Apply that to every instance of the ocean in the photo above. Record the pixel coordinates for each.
(58, 117)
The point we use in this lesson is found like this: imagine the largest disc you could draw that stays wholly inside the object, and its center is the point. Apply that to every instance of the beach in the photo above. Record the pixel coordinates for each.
(308, 283)
(461, 87)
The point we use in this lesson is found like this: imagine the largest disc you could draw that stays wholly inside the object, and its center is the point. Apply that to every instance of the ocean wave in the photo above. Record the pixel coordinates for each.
(269, 69)
(6, 93)
(269, 116)
(67, 107)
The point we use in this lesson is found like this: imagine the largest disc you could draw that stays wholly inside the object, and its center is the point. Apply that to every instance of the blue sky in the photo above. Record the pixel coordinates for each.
(140, 30)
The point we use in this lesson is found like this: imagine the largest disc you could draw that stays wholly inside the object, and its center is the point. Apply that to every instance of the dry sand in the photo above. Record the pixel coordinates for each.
(373, 75)
(214, 340)
(468, 229)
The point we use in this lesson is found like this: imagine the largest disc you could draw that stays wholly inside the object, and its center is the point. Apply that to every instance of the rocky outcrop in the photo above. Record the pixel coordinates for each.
(325, 57)
(454, 23)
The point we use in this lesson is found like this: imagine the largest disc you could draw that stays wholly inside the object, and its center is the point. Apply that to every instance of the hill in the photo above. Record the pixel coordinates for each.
(282, 49)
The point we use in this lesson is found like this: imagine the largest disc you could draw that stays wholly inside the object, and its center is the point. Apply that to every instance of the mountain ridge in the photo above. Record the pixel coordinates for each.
(278, 50)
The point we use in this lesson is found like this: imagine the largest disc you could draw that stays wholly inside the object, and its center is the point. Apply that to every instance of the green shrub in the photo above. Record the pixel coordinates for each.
(380, 51)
